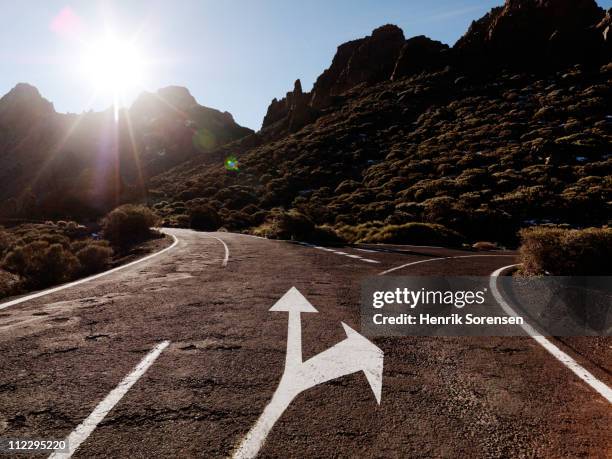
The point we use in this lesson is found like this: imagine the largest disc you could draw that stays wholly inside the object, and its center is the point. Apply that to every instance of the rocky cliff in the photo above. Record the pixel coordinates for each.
(541, 35)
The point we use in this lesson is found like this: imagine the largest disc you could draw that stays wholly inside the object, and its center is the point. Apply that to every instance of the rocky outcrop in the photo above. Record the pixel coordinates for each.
(420, 54)
(367, 60)
(290, 113)
(534, 33)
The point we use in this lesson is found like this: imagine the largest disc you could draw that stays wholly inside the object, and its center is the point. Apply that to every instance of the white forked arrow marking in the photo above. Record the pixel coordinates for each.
(351, 355)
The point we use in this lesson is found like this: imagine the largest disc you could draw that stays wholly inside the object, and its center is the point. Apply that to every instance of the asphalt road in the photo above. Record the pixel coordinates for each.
(63, 353)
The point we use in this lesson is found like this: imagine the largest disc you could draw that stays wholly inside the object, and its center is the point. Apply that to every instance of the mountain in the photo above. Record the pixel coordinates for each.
(508, 127)
(54, 164)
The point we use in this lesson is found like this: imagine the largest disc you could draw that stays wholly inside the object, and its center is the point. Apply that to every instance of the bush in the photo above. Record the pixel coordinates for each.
(289, 225)
(6, 242)
(294, 225)
(414, 233)
(128, 224)
(565, 252)
(42, 264)
(204, 218)
(94, 258)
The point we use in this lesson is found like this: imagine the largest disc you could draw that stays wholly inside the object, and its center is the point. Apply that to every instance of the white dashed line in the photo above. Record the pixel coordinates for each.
(338, 252)
(85, 428)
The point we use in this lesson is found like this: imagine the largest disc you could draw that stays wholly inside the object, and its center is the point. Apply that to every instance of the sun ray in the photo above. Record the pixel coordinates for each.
(135, 153)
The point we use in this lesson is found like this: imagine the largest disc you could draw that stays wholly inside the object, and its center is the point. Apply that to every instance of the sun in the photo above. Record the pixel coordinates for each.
(114, 66)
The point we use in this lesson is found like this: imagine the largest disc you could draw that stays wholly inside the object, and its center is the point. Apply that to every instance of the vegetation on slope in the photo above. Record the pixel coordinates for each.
(34, 256)
(482, 157)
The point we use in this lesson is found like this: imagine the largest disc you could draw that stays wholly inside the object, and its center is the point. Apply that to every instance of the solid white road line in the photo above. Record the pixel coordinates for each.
(428, 260)
(86, 279)
(227, 253)
(561, 356)
(84, 429)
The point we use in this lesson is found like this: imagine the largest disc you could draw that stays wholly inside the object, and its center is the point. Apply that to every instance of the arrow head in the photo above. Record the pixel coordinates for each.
(293, 301)
(371, 359)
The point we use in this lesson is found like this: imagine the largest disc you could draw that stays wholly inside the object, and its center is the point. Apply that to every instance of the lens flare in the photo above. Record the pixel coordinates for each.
(231, 163)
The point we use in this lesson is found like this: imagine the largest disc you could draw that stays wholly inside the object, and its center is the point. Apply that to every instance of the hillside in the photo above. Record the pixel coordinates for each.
(66, 165)
(509, 127)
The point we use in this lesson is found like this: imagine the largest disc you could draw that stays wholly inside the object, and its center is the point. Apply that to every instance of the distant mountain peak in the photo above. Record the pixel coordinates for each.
(25, 98)
(174, 98)
(177, 96)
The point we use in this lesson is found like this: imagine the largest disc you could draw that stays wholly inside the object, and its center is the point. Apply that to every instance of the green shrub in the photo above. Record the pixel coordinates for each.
(326, 235)
(294, 225)
(94, 258)
(204, 218)
(42, 264)
(354, 233)
(128, 224)
(288, 225)
(6, 242)
(565, 252)
(414, 233)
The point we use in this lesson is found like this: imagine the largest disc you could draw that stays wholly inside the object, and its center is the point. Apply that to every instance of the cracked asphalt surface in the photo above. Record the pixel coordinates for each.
(442, 397)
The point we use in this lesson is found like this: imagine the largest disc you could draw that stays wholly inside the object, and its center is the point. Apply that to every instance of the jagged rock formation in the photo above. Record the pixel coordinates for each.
(420, 54)
(367, 60)
(536, 34)
(291, 112)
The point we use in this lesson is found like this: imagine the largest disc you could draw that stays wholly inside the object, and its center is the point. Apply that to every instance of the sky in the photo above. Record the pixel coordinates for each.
(233, 55)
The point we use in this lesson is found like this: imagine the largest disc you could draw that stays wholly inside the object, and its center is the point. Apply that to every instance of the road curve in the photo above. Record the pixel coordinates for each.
(63, 353)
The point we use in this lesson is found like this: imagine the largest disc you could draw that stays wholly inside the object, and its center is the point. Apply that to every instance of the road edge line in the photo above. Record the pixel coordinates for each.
(85, 428)
(597, 385)
(48, 291)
